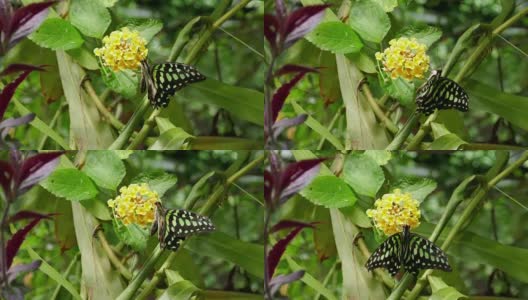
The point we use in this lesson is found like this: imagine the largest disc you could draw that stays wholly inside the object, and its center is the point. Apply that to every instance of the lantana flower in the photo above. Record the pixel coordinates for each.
(135, 204)
(123, 49)
(395, 210)
(404, 58)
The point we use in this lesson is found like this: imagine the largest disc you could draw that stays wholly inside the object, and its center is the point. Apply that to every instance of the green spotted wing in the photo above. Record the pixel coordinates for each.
(387, 255)
(164, 80)
(410, 251)
(174, 225)
(440, 93)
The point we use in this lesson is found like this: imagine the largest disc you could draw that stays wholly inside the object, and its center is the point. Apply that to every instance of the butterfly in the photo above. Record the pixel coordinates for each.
(410, 251)
(174, 225)
(162, 81)
(440, 93)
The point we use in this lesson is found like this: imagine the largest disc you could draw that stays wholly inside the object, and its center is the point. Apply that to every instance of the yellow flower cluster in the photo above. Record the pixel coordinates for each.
(404, 58)
(135, 204)
(395, 210)
(123, 49)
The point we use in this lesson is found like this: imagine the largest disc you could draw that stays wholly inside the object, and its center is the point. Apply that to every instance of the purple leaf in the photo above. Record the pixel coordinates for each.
(283, 124)
(14, 122)
(26, 19)
(281, 94)
(302, 21)
(26, 214)
(278, 281)
(14, 243)
(284, 224)
(36, 168)
(271, 29)
(268, 187)
(287, 69)
(278, 249)
(15, 68)
(6, 174)
(9, 90)
(5, 13)
(280, 9)
(13, 272)
(298, 175)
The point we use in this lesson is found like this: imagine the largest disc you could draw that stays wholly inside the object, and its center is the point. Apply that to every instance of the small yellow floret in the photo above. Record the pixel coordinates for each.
(123, 49)
(404, 58)
(393, 211)
(135, 204)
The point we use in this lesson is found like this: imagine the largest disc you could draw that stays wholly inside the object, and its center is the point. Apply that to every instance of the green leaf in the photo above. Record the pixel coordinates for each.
(147, 28)
(470, 247)
(328, 81)
(84, 58)
(329, 191)
(105, 168)
(427, 35)
(220, 142)
(56, 33)
(87, 130)
(70, 184)
(317, 127)
(223, 295)
(131, 234)
(363, 174)
(488, 99)
(323, 236)
(124, 82)
(97, 208)
(90, 17)
(336, 37)
(369, 20)
(246, 255)
(402, 90)
(164, 124)
(108, 3)
(449, 141)
(419, 188)
(171, 139)
(388, 5)
(98, 275)
(381, 157)
(357, 216)
(179, 289)
(364, 62)
(53, 273)
(441, 291)
(158, 181)
(363, 130)
(246, 104)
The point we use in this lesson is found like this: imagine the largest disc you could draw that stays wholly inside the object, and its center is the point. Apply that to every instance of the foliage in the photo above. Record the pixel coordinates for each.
(470, 203)
(79, 102)
(86, 246)
(353, 103)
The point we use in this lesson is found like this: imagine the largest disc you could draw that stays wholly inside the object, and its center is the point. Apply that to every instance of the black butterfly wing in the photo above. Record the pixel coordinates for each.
(386, 255)
(169, 78)
(424, 254)
(441, 93)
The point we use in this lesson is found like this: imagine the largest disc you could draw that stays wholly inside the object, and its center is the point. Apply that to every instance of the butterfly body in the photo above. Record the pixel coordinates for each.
(174, 225)
(162, 81)
(440, 93)
(410, 251)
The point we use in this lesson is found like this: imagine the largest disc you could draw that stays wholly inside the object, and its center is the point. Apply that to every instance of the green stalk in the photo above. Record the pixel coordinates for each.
(404, 133)
(123, 137)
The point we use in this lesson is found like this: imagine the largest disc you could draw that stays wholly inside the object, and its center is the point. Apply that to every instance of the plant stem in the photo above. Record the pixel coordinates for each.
(424, 129)
(100, 106)
(52, 123)
(378, 112)
(338, 114)
(111, 255)
(404, 133)
(123, 137)
(3, 256)
(68, 270)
